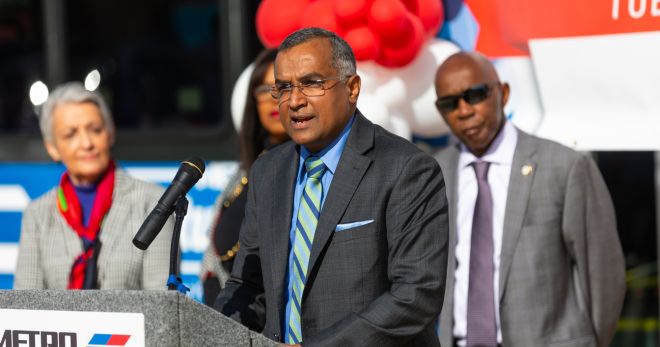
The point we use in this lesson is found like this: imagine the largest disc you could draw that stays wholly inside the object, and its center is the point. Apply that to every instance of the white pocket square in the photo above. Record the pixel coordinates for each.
(346, 226)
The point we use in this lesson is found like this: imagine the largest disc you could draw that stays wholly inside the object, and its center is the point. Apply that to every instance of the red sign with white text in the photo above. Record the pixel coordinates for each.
(506, 26)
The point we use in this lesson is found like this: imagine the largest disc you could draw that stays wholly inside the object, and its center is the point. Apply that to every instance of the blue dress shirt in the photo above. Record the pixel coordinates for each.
(330, 156)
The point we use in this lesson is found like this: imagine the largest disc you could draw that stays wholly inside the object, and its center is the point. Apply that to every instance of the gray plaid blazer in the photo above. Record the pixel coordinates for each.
(377, 284)
(48, 246)
(561, 268)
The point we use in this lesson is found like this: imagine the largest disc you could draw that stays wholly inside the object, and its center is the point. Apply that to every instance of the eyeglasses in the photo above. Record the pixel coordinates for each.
(262, 93)
(282, 91)
(472, 96)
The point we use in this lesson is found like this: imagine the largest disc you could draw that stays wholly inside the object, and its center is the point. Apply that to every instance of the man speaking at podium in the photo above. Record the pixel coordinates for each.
(344, 240)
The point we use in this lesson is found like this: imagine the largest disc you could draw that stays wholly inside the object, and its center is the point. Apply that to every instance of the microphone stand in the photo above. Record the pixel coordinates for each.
(174, 281)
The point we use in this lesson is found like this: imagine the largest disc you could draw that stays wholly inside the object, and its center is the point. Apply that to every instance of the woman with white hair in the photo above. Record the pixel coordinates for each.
(78, 235)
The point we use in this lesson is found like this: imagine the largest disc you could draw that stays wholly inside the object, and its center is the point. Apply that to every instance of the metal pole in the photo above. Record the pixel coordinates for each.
(233, 48)
(174, 281)
(55, 41)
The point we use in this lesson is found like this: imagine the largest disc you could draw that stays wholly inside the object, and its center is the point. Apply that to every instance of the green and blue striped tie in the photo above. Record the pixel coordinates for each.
(308, 217)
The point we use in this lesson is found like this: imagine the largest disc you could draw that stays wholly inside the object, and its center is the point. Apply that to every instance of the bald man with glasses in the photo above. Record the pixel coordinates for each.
(534, 254)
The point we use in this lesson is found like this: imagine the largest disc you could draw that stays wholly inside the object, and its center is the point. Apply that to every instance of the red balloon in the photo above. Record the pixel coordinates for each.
(320, 14)
(351, 13)
(276, 19)
(397, 57)
(430, 12)
(387, 18)
(403, 36)
(364, 43)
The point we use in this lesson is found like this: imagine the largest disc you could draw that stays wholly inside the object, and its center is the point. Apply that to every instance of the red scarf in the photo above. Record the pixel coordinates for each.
(69, 207)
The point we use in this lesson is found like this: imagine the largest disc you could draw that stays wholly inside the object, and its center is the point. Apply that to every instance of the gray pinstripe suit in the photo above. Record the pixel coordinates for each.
(48, 246)
(561, 268)
(379, 284)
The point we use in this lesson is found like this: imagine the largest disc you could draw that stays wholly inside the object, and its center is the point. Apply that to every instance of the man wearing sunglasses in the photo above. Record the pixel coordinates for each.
(344, 241)
(534, 254)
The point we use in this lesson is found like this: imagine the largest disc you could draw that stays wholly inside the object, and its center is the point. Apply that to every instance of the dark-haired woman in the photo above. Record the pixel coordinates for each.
(260, 130)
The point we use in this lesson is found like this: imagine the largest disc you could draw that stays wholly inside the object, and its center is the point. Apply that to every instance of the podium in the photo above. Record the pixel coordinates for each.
(170, 318)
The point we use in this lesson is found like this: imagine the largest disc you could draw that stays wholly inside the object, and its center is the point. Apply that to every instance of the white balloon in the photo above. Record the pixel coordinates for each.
(368, 71)
(421, 113)
(239, 96)
(408, 92)
(392, 91)
(524, 103)
(401, 127)
(374, 110)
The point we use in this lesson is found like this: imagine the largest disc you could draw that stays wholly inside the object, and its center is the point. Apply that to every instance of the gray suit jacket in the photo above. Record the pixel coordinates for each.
(48, 246)
(561, 268)
(380, 284)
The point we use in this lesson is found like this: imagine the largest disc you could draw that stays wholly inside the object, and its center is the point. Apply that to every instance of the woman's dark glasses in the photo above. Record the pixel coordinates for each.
(472, 96)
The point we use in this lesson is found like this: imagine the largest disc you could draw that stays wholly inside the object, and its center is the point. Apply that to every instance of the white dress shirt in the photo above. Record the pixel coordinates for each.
(500, 157)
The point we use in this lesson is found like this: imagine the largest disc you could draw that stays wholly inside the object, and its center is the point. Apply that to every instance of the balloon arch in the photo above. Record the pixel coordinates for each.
(394, 43)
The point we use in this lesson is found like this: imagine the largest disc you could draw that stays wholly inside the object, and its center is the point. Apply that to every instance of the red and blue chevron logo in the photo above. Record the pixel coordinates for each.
(108, 340)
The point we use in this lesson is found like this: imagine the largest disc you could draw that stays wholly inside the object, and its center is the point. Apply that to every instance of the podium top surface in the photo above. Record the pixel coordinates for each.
(171, 318)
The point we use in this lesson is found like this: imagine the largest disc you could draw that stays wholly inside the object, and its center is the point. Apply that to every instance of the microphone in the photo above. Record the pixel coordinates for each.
(190, 171)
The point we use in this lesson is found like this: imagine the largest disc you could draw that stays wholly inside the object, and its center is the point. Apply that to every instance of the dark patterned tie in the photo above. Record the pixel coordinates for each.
(481, 329)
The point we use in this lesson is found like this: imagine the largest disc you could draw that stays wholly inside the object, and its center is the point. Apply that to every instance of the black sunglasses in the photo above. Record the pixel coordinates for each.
(472, 96)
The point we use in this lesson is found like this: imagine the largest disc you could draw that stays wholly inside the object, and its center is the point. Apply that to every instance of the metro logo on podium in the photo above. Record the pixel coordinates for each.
(108, 340)
(41, 328)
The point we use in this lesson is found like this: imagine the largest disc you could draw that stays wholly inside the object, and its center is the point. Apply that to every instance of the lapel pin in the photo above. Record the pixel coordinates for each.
(526, 170)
